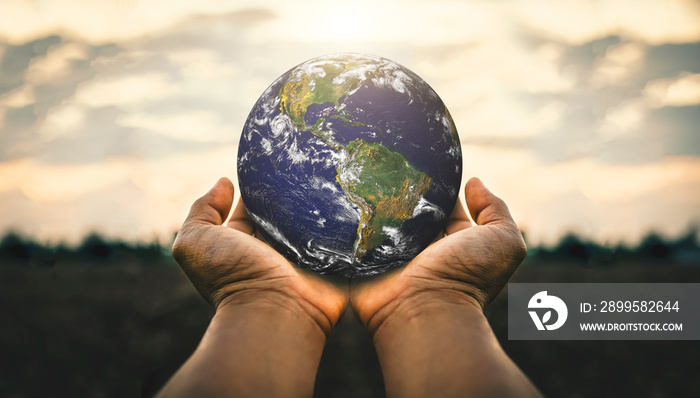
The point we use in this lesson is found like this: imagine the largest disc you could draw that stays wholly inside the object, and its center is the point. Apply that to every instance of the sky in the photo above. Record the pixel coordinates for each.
(583, 115)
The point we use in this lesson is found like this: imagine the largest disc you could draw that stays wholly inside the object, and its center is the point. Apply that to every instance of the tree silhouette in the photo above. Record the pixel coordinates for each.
(654, 245)
(573, 247)
(96, 246)
(17, 248)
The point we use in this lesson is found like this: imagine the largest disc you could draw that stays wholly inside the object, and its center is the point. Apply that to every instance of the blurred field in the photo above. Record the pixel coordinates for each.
(121, 329)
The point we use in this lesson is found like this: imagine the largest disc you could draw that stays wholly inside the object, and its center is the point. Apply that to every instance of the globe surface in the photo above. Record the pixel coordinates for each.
(349, 165)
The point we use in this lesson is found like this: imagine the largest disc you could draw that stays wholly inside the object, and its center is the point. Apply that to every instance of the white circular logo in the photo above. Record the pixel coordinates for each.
(553, 303)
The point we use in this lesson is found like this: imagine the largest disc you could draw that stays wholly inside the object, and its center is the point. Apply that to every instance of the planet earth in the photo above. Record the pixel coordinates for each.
(349, 165)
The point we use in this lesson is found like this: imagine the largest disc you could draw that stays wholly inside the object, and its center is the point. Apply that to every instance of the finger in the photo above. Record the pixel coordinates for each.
(214, 206)
(240, 220)
(484, 206)
(458, 219)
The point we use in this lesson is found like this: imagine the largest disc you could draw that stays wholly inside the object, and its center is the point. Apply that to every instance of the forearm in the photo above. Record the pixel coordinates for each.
(445, 349)
(253, 349)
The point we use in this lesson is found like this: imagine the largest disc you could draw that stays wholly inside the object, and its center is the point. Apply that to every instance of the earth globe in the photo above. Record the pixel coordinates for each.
(349, 165)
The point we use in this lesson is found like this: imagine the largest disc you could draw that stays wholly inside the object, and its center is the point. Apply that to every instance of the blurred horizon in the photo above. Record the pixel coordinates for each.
(584, 116)
(571, 250)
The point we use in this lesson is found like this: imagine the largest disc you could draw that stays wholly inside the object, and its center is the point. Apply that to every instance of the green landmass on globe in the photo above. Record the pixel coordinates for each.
(327, 144)
(383, 185)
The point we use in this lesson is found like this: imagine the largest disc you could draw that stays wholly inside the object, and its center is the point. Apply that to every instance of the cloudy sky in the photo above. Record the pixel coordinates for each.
(583, 115)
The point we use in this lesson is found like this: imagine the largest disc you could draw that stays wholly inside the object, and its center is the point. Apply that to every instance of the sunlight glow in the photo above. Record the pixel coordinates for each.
(566, 109)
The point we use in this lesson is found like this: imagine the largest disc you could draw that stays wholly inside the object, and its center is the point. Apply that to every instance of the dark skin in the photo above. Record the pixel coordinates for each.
(272, 318)
(427, 319)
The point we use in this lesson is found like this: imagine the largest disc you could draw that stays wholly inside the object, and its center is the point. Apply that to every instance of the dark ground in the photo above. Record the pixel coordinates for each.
(92, 330)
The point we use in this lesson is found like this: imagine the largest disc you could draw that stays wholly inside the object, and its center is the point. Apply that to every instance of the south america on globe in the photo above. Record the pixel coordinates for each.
(349, 165)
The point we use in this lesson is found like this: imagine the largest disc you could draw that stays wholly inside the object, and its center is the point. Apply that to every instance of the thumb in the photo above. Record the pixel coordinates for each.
(214, 206)
(485, 207)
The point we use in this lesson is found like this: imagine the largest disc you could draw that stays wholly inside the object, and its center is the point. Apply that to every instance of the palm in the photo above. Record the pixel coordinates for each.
(226, 262)
(472, 262)
(328, 296)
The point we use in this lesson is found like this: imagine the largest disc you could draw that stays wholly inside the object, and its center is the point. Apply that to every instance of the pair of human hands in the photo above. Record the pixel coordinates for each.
(469, 264)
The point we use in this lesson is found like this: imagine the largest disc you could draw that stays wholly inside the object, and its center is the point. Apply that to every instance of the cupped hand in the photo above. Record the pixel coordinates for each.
(468, 265)
(229, 266)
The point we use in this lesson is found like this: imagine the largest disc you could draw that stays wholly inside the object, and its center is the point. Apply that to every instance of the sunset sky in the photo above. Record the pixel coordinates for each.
(583, 115)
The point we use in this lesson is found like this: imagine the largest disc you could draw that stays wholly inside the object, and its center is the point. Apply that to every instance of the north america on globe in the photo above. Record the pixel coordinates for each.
(349, 165)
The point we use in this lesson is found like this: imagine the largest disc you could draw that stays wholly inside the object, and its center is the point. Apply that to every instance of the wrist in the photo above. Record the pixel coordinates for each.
(250, 339)
(432, 337)
(278, 307)
(442, 346)
(422, 307)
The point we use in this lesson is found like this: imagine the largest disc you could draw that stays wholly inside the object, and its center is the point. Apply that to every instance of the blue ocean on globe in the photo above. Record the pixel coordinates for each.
(349, 165)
